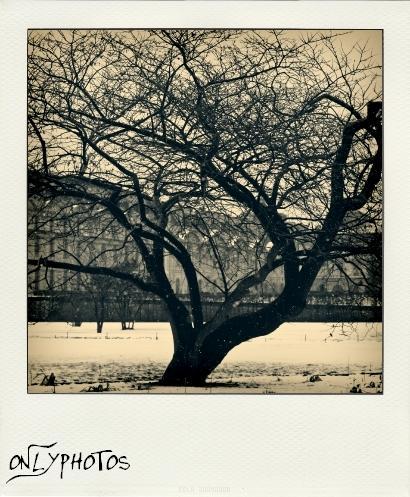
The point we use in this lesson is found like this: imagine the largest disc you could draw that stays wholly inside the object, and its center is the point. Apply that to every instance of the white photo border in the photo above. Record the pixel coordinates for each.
(347, 446)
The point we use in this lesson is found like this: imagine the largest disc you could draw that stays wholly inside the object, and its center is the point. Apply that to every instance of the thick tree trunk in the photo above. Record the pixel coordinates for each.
(196, 356)
(184, 370)
(191, 366)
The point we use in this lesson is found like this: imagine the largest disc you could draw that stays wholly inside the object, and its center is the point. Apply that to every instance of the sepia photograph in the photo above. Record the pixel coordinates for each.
(204, 211)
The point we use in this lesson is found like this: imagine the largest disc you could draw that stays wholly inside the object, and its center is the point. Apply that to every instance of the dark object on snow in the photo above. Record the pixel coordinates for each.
(100, 388)
(49, 380)
(142, 386)
(315, 377)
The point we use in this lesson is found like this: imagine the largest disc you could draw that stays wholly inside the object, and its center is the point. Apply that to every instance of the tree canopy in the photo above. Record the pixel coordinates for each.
(265, 145)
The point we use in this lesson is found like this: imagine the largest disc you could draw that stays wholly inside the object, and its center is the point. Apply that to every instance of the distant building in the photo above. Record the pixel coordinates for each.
(60, 237)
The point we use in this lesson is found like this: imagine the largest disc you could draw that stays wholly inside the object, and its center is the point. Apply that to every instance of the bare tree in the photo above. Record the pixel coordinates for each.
(98, 289)
(126, 299)
(237, 157)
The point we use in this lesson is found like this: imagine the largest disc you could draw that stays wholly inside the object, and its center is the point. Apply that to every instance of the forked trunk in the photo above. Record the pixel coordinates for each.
(194, 359)
(191, 366)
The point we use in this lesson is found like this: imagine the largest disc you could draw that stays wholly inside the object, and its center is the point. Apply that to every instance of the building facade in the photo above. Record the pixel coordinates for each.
(62, 237)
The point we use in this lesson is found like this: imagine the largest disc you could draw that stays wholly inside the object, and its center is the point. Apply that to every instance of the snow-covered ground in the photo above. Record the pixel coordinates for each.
(281, 362)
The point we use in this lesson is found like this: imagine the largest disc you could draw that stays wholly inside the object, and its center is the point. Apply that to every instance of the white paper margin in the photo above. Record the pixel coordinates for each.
(211, 445)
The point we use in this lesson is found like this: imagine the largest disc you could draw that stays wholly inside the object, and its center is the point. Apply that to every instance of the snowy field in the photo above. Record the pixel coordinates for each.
(282, 362)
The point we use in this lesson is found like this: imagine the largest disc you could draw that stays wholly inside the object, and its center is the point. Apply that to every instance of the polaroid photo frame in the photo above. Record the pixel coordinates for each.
(174, 445)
